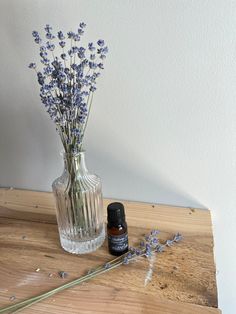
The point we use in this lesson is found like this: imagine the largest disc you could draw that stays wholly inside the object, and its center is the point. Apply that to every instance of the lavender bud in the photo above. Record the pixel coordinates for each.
(32, 65)
(82, 25)
(129, 255)
(62, 44)
(101, 42)
(60, 35)
(125, 260)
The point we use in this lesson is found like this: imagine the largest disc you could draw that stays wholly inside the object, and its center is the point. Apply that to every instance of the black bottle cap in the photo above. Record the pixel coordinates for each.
(115, 213)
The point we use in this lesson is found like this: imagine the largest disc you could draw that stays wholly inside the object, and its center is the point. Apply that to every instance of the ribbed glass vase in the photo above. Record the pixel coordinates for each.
(79, 206)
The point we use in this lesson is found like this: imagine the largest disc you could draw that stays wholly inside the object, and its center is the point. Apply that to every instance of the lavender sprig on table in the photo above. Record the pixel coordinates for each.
(67, 80)
(149, 246)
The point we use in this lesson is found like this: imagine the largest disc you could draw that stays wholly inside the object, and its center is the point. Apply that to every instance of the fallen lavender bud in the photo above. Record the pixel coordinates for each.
(107, 265)
(169, 242)
(125, 260)
(160, 248)
(178, 237)
(12, 298)
(63, 274)
(129, 255)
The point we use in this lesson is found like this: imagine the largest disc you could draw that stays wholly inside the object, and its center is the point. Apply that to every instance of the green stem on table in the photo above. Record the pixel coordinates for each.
(100, 270)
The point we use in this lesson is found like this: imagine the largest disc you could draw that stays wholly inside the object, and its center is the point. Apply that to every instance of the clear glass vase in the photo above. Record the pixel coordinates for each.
(79, 206)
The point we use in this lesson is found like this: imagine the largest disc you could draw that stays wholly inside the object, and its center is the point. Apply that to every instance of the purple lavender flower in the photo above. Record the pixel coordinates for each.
(70, 52)
(91, 47)
(62, 44)
(48, 70)
(70, 35)
(57, 64)
(81, 52)
(50, 46)
(142, 244)
(41, 78)
(154, 241)
(93, 88)
(101, 42)
(45, 89)
(74, 49)
(129, 255)
(48, 28)
(103, 52)
(100, 65)
(84, 63)
(84, 93)
(35, 34)
(75, 132)
(53, 84)
(63, 56)
(43, 54)
(61, 77)
(38, 40)
(60, 35)
(77, 37)
(92, 65)
(32, 65)
(178, 237)
(74, 66)
(148, 249)
(45, 61)
(148, 253)
(148, 238)
(50, 36)
(125, 260)
(96, 75)
(82, 25)
(43, 49)
(80, 31)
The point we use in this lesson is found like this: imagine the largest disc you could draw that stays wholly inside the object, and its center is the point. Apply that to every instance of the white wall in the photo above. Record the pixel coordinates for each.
(163, 124)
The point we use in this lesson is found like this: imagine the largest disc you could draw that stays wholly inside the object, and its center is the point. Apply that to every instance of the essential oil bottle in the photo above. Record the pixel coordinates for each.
(117, 231)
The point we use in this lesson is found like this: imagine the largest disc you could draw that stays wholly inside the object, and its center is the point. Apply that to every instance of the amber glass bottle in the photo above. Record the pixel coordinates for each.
(117, 231)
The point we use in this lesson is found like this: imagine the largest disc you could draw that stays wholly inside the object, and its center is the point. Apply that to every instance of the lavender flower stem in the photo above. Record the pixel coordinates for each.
(150, 248)
(33, 300)
(100, 270)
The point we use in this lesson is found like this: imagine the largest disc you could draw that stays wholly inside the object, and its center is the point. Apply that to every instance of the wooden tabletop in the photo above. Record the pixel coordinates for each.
(30, 258)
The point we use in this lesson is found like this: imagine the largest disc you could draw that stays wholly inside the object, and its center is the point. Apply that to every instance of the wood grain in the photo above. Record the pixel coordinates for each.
(184, 275)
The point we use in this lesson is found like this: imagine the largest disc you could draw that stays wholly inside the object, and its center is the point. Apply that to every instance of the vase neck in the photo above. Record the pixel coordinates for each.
(75, 163)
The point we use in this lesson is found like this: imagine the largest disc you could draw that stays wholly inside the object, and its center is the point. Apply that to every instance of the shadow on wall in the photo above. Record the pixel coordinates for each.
(122, 182)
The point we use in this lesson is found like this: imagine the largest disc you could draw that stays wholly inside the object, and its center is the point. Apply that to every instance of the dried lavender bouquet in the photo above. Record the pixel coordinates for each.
(147, 248)
(67, 80)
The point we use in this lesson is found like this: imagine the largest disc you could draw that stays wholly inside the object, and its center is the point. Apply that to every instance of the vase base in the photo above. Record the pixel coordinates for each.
(83, 247)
